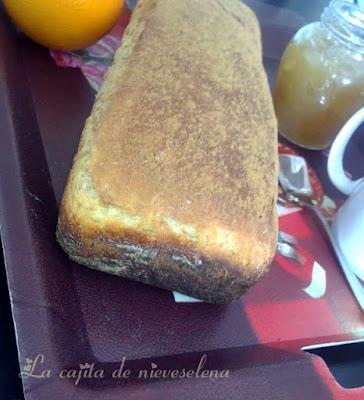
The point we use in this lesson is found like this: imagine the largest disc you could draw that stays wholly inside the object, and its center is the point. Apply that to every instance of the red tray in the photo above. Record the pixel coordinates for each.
(69, 315)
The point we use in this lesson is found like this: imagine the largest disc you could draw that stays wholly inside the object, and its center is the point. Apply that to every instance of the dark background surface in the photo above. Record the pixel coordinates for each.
(346, 362)
(10, 384)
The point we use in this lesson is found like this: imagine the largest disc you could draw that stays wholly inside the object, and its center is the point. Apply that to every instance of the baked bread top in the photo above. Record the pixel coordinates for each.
(181, 147)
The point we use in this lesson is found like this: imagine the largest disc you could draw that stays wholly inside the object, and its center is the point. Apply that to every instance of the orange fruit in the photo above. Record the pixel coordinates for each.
(64, 24)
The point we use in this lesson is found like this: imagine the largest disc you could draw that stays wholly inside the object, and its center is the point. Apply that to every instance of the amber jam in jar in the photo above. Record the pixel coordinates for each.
(320, 82)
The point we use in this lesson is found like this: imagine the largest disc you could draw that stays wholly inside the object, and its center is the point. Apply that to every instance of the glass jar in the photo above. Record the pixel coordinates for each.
(320, 82)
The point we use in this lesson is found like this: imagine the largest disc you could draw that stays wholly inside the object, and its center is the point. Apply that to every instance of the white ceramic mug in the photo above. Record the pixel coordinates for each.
(348, 224)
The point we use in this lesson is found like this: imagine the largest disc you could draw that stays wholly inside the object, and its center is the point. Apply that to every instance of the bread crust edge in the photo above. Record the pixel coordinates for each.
(208, 279)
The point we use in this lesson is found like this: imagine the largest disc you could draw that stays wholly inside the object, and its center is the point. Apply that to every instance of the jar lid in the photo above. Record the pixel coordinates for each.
(346, 21)
(350, 13)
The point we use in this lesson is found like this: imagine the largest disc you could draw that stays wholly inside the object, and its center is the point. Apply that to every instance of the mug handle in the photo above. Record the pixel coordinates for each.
(335, 162)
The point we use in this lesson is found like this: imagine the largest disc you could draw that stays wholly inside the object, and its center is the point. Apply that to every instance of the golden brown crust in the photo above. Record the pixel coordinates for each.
(175, 180)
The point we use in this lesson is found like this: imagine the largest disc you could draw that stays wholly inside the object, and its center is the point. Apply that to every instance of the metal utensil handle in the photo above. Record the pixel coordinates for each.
(287, 238)
(285, 250)
(352, 279)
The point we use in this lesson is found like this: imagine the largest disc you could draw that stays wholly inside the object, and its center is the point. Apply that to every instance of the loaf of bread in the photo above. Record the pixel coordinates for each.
(175, 179)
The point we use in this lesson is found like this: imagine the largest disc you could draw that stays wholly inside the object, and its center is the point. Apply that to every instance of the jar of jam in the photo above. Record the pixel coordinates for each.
(320, 82)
